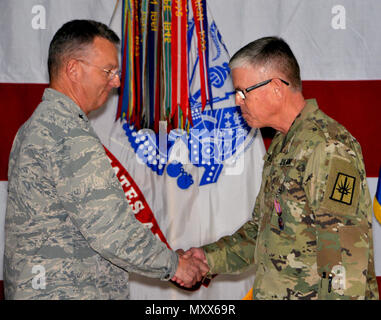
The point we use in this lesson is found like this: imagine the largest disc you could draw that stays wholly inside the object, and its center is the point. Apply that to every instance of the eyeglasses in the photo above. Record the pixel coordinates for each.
(242, 95)
(111, 73)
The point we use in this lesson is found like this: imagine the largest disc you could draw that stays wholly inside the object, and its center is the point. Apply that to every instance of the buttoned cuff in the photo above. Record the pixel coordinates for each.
(173, 264)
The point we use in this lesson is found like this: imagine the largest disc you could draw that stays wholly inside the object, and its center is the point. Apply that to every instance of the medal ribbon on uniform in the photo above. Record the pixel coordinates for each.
(278, 210)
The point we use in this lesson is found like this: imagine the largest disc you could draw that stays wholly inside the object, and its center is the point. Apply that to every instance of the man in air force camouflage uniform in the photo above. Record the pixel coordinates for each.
(69, 231)
(310, 236)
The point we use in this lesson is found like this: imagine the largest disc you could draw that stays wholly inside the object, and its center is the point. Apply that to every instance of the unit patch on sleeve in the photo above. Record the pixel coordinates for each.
(342, 189)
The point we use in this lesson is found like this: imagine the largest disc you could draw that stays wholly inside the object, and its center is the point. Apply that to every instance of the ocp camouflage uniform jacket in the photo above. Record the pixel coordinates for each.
(310, 236)
(69, 231)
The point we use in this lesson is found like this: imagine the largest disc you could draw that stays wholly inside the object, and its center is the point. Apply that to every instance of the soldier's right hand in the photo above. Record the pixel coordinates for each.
(190, 270)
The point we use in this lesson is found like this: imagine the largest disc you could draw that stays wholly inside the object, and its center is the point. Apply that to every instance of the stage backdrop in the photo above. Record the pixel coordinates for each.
(338, 51)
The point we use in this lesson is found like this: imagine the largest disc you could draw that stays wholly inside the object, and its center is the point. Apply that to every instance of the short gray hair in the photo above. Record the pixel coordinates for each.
(273, 52)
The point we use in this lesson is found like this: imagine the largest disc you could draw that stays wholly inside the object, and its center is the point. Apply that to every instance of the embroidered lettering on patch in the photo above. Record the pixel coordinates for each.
(343, 189)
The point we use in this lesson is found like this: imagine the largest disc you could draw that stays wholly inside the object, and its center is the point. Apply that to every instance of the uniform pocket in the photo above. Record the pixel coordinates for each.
(354, 242)
(343, 256)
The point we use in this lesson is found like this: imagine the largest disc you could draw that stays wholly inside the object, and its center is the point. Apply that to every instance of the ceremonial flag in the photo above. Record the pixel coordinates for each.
(195, 154)
(187, 171)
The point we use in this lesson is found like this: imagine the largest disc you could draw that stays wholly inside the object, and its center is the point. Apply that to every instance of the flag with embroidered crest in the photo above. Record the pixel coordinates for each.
(187, 147)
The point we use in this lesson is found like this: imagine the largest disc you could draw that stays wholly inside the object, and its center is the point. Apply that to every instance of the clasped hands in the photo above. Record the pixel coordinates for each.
(192, 267)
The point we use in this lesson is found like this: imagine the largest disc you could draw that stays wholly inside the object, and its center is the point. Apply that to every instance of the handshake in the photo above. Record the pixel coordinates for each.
(192, 267)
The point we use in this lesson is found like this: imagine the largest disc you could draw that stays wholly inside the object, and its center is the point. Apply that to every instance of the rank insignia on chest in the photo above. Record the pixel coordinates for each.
(285, 162)
(343, 189)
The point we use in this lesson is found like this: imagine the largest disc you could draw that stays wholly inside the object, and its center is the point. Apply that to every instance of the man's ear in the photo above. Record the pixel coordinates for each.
(277, 87)
(73, 70)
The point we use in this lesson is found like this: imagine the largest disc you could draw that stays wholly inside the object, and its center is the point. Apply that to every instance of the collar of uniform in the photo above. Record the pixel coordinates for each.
(280, 142)
(309, 108)
(51, 94)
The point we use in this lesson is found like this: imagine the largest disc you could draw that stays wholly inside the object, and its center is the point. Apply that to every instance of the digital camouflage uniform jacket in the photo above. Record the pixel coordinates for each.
(311, 235)
(69, 231)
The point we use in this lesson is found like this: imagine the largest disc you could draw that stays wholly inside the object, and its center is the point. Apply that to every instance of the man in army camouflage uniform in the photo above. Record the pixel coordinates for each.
(310, 236)
(69, 231)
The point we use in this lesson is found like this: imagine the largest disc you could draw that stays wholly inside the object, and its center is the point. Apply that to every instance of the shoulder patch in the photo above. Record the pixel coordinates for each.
(343, 186)
(343, 189)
